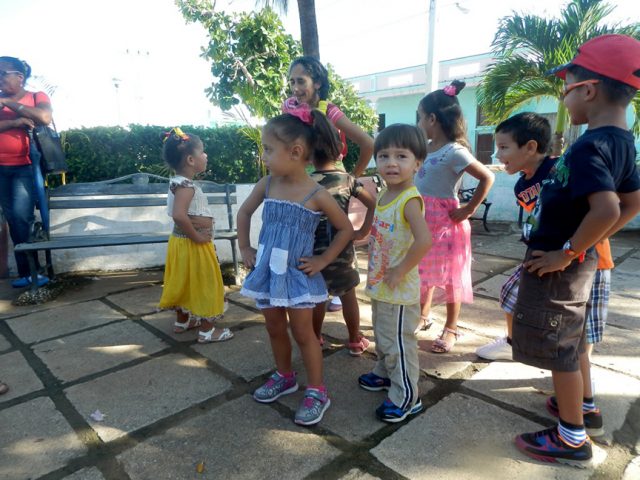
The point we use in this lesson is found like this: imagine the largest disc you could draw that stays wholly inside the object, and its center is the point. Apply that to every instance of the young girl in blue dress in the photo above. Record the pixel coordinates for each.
(286, 280)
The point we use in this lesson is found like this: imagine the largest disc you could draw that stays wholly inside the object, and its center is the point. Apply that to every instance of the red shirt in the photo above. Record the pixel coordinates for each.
(14, 143)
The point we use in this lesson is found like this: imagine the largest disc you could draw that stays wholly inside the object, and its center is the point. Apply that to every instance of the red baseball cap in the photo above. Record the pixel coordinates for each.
(613, 56)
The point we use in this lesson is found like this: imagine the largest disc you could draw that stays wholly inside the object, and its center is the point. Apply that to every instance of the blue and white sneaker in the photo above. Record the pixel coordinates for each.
(374, 383)
(389, 412)
(26, 281)
(312, 408)
(547, 446)
(275, 387)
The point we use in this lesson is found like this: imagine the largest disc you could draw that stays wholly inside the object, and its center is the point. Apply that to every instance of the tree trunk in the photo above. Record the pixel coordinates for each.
(557, 142)
(309, 28)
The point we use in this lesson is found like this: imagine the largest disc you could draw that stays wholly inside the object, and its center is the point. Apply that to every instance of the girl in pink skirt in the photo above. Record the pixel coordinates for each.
(445, 272)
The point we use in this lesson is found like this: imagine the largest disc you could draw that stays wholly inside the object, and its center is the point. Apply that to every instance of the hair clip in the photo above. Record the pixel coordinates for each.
(450, 90)
(178, 133)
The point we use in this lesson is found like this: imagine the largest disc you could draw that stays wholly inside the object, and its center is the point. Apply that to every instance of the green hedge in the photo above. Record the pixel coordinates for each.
(102, 153)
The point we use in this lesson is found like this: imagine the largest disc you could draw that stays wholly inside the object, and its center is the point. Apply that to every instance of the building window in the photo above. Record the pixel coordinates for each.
(484, 148)
(382, 121)
(481, 120)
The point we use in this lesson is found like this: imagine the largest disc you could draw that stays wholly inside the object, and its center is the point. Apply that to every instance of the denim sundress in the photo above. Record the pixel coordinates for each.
(288, 231)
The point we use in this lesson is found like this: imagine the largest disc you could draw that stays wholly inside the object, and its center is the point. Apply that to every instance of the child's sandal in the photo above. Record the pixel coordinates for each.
(425, 323)
(440, 345)
(190, 324)
(207, 337)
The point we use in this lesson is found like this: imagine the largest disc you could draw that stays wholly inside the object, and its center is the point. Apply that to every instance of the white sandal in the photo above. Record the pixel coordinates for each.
(190, 324)
(207, 337)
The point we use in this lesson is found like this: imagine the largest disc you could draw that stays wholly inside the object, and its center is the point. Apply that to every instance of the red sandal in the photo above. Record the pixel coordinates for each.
(440, 345)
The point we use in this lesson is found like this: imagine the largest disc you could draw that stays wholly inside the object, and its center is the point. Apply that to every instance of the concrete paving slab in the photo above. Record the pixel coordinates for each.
(623, 312)
(619, 351)
(507, 247)
(477, 276)
(86, 474)
(357, 474)
(468, 439)
(248, 354)
(626, 283)
(484, 317)
(4, 344)
(18, 374)
(139, 301)
(97, 287)
(491, 288)
(143, 394)
(527, 387)
(35, 440)
(238, 298)
(447, 365)
(89, 352)
(630, 265)
(62, 321)
(619, 250)
(261, 444)
(491, 263)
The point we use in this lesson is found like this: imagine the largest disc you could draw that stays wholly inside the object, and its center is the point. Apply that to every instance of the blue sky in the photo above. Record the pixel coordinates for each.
(82, 45)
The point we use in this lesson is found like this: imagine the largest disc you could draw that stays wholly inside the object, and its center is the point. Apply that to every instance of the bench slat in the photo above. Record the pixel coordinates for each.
(88, 189)
(145, 201)
(86, 241)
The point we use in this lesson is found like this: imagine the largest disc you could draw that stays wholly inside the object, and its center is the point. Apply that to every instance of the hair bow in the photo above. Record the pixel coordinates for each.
(303, 110)
(450, 90)
(177, 131)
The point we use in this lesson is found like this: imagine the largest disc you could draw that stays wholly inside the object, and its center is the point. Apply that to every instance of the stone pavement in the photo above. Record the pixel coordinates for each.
(169, 404)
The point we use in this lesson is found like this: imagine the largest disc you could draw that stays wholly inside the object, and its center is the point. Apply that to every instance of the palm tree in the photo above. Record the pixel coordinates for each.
(308, 24)
(528, 46)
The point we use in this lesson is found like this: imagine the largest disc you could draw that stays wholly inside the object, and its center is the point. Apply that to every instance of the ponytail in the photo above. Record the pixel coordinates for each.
(445, 106)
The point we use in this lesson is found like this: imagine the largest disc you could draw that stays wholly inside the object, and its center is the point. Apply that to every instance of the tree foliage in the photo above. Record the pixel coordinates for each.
(250, 54)
(526, 47)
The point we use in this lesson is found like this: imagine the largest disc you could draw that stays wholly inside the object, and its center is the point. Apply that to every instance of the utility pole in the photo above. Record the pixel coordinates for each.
(431, 67)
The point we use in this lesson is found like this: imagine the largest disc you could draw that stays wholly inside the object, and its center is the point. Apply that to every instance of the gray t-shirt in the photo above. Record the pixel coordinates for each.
(441, 172)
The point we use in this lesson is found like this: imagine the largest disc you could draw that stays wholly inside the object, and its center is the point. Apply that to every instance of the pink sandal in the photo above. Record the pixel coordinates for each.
(357, 348)
(440, 345)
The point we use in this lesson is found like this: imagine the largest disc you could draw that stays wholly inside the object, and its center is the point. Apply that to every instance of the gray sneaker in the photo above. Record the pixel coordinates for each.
(275, 387)
(312, 408)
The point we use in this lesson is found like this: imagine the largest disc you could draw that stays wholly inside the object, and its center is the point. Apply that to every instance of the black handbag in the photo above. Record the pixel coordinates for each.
(50, 147)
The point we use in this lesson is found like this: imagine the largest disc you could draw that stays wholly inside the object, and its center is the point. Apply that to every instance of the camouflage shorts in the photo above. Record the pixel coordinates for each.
(341, 274)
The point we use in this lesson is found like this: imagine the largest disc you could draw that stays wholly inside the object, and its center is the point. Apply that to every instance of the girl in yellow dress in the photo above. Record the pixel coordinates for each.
(192, 279)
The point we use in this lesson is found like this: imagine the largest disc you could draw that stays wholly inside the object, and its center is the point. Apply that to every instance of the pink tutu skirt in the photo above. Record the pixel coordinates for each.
(447, 266)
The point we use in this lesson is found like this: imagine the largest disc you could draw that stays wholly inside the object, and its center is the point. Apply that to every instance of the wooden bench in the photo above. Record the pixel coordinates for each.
(465, 195)
(136, 190)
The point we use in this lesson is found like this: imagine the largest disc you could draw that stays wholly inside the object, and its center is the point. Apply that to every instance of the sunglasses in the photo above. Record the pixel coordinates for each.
(4, 73)
(570, 86)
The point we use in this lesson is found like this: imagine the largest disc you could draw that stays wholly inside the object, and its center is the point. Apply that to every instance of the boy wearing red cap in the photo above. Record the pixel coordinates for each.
(593, 192)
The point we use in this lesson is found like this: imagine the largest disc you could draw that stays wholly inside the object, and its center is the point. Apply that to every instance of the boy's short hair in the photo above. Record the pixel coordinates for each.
(614, 60)
(527, 126)
(401, 135)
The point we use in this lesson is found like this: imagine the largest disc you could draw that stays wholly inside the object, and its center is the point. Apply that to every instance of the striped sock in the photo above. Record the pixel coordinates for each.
(588, 405)
(573, 435)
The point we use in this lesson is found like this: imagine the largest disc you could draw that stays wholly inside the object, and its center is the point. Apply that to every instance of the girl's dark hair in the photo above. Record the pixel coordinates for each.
(178, 147)
(400, 135)
(18, 65)
(446, 108)
(321, 138)
(316, 71)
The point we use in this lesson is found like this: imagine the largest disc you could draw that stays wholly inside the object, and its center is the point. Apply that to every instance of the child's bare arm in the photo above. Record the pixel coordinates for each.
(340, 221)
(629, 208)
(485, 180)
(182, 200)
(419, 248)
(604, 211)
(245, 212)
(354, 133)
(369, 201)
